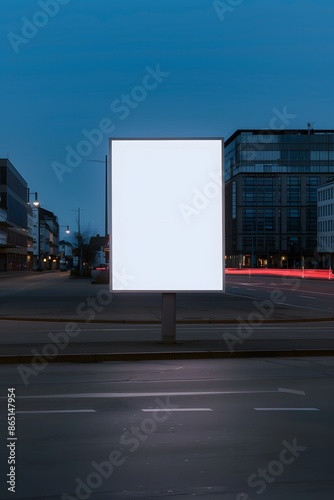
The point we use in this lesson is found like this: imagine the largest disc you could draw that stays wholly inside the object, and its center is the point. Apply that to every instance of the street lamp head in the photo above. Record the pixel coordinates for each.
(67, 230)
(35, 202)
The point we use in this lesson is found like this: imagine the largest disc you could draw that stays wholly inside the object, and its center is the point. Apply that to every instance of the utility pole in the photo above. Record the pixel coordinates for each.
(79, 244)
(106, 193)
(106, 200)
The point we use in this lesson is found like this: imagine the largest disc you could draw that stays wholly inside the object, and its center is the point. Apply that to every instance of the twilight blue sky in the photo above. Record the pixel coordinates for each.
(226, 65)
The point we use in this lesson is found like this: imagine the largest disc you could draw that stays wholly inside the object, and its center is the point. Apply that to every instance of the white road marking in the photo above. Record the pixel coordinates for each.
(247, 283)
(300, 307)
(307, 297)
(287, 409)
(291, 391)
(57, 411)
(28, 286)
(278, 286)
(139, 394)
(176, 409)
(318, 293)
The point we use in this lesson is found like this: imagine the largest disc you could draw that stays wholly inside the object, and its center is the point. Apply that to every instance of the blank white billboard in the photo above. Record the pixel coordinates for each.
(167, 224)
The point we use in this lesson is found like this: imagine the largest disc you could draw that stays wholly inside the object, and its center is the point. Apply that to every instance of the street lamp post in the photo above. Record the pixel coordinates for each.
(36, 203)
(106, 193)
(79, 242)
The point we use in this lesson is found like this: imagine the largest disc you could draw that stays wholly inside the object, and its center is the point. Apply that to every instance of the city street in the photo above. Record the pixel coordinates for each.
(227, 429)
(167, 250)
(317, 295)
(58, 296)
(231, 429)
(256, 313)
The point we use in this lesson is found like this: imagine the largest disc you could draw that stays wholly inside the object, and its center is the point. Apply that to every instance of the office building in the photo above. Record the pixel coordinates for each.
(271, 181)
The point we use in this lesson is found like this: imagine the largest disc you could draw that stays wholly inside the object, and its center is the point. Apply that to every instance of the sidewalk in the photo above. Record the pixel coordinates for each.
(41, 356)
(150, 346)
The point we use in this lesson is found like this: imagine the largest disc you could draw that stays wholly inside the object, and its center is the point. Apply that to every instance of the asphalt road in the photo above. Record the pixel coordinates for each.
(228, 429)
(247, 317)
(57, 296)
(317, 295)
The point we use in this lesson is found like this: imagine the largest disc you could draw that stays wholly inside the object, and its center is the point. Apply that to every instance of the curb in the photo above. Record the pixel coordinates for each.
(146, 356)
(158, 322)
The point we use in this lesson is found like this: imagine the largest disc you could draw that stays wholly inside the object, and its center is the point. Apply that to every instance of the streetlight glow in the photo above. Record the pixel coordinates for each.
(36, 202)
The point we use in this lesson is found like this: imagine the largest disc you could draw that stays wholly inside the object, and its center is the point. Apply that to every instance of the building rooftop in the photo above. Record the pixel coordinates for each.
(278, 132)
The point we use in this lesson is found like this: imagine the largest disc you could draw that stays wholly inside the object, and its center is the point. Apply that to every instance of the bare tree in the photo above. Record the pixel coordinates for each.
(81, 248)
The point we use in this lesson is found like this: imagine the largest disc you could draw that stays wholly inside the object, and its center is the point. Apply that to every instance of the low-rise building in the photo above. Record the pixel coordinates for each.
(65, 255)
(46, 238)
(13, 218)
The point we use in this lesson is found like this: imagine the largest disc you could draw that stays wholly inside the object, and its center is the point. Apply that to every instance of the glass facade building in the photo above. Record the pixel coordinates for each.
(271, 180)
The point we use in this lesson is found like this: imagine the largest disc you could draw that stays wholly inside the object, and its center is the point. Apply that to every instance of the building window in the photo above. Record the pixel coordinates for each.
(311, 219)
(293, 244)
(3, 200)
(234, 200)
(294, 191)
(311, 189)
(293, 220)
(3, 176)
(249, 220)
(259, 191)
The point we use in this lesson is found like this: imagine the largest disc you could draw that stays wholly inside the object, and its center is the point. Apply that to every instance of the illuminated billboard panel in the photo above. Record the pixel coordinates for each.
(167, 215)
